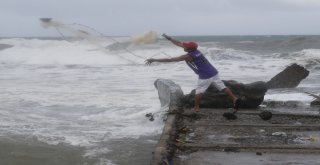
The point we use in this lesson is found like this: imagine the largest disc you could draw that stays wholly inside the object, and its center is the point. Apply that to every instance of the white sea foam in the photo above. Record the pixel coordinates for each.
(307, 57)
(46, 52)
(66, 94)
(289, 97)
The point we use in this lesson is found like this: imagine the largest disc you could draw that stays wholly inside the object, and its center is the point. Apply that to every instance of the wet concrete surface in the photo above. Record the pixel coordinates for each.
(209, 138)
(248, 158)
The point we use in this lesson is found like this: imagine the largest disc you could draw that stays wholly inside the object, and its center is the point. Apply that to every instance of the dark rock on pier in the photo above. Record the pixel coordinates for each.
(265, 115)
(288, 78)
(252, 94)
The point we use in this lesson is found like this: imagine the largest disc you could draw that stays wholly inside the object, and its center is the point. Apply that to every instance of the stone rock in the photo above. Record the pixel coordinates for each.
(288, 78)
(170, 93)
(265, 115)
(251, 94)
(229, 116)
(259, 153)
(315, 102)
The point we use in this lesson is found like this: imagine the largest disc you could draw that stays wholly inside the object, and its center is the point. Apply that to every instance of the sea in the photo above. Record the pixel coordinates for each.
(67, 101)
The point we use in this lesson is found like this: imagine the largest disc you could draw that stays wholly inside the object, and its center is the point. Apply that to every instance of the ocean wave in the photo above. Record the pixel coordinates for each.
(309, 58)
(81, 52)
(275, 44)
(5, 46)
(229, 54)
(60, 52)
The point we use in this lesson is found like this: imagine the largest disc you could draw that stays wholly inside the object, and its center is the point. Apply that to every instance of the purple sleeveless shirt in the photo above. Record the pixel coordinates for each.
(201, 66)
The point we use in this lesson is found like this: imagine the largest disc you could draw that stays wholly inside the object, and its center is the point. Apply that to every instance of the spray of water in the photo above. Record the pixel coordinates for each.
(146, 38)
(94, 37)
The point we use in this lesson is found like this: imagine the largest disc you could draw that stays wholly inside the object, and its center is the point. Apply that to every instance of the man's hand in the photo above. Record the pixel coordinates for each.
(174, 41)
(149, 61)
(166, 36)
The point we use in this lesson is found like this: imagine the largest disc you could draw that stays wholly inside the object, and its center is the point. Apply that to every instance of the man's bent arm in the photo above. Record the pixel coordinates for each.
(174, 59)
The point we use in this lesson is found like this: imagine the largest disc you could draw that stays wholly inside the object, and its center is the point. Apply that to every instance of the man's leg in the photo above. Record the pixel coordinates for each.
(202, 86)
(197, 101)
(235, 100)
(230, 94)
(220, 86)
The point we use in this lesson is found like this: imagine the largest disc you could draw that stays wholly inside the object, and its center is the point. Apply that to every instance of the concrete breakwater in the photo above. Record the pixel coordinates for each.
(208, 138)
(170, 95)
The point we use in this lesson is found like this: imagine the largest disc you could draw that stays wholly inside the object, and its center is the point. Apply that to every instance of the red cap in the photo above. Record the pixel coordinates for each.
(190, 45)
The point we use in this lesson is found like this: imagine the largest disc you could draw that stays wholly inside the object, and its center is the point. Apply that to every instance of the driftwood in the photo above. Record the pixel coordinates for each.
(252, 94)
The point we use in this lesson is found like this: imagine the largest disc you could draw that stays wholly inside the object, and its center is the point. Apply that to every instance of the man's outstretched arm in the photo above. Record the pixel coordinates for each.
(174, 41)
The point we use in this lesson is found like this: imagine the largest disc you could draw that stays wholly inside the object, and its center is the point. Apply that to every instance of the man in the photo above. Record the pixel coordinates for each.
(207, 73)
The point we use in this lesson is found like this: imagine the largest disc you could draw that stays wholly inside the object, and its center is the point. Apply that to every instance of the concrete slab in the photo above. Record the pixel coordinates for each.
(247, 158)
(211, 139)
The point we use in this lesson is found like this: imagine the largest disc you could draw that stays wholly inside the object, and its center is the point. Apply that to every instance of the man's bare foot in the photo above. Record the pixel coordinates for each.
(236, 104)
(196, 109)
(234, 111)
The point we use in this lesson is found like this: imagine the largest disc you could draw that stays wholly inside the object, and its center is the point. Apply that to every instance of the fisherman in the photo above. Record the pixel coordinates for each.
(207, 73)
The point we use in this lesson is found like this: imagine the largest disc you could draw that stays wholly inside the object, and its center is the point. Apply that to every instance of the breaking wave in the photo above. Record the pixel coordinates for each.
(61, 52)
(307, 57)
(274, 44)
(5, 46)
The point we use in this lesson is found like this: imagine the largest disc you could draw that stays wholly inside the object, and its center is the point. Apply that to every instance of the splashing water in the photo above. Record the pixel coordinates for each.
(98, 39)
(146, 38)
(58, 92)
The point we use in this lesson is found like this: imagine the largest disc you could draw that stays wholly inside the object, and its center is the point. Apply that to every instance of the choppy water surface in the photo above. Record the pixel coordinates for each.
(82, 100)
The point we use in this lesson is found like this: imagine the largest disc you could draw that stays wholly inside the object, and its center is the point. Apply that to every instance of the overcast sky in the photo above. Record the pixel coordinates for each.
(175, 17)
